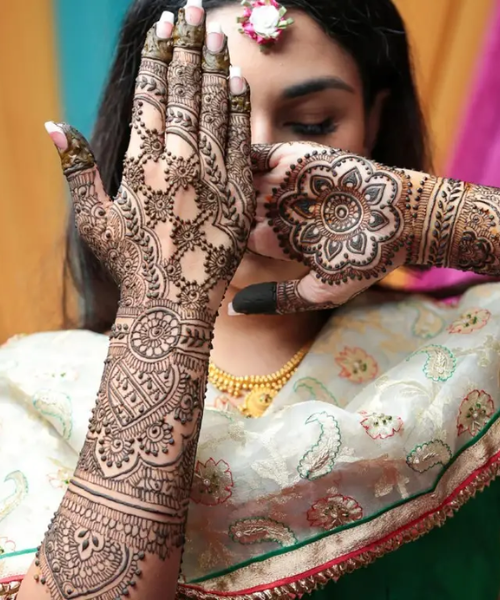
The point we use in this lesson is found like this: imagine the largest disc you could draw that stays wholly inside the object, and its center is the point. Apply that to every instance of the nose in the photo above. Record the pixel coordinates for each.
(263, 130)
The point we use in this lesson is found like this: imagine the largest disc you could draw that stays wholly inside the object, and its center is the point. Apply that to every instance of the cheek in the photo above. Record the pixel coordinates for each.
(350, 133)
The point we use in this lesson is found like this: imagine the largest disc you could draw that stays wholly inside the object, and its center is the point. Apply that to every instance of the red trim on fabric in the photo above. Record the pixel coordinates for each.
(311, 572)
(12, 579)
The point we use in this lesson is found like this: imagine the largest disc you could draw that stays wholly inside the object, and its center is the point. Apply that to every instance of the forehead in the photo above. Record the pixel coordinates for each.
(304, 52)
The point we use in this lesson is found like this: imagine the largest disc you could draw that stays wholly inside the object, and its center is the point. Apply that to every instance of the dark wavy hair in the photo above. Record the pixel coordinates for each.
(372, 31)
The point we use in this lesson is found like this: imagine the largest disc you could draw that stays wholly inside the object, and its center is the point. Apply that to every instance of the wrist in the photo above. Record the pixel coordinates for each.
(157, 330)
(418, 189)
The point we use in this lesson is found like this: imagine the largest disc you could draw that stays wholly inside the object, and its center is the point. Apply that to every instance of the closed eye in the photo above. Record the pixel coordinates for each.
(310, 130)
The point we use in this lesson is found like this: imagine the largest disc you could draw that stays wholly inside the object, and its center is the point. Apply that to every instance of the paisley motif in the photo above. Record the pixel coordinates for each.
(256, 530)
(13, 499)
(57, 409)
(440, 364)
(312, 389)
(428, 324)
(319, 460)
(429, 455)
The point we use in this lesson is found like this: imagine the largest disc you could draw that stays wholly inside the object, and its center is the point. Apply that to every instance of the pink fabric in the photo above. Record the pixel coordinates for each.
(476, 156)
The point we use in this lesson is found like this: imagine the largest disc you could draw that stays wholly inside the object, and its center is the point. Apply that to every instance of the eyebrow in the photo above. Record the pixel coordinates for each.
(316, 85)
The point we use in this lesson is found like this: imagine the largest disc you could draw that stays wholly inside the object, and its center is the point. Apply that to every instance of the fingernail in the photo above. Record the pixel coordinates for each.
(237, 84)
(231, 312)
(165, 25)
(215, 37)
(57, 135)
(194, 12)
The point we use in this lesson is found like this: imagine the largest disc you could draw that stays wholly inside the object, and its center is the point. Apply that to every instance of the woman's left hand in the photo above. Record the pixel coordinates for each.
(342, 215)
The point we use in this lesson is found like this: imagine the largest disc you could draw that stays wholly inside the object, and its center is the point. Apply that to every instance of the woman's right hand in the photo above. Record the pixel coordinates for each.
(180, 222)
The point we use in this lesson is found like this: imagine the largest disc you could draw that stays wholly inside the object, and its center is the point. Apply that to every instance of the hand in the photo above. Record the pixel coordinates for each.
(179, 224)
(172, 239)
(342, 215)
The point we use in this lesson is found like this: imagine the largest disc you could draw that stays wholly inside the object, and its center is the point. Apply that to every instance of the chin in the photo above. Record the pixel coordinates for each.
(260, 269)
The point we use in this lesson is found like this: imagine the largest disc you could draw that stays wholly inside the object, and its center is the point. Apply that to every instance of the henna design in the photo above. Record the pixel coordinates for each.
(462, 224)
(172, 239)
(351, 221)
(340, 214)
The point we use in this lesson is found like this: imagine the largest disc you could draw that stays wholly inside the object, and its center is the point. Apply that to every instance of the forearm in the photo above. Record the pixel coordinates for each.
(120, 527)
(457, 225)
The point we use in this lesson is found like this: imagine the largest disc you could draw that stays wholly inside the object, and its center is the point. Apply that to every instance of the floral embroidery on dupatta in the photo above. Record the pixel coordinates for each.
(357, 365)
(379, 426)
(213, 482)
(334, 511)
(470, 321)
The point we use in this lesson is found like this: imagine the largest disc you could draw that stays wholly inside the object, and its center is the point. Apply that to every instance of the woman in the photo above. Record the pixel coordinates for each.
(276, 503)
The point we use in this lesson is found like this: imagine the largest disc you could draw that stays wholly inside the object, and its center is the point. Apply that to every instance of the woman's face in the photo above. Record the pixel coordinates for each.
(307, 88)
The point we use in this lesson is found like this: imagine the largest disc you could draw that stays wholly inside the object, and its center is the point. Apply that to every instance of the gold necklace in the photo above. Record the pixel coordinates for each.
(259, 390)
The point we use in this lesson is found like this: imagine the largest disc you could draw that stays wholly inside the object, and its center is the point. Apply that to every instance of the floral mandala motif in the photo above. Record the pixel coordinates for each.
(155, 334)
(220, 264)
(475, 253)
(334, 511)
(379, 426)
(157, 207)
(475, 412)
(114, 450)
(182, 172)
(187, 236)
(193, 296)
(213, 483)
(470, 321)
(152, 145)
(346, 226)
(133, 173)
(157, 438)
(357, 365)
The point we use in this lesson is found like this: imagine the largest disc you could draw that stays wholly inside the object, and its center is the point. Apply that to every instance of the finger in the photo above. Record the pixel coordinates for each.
(271, 299)
(264, 157)
(91, 203)
(214, 103)
(150, 99)
(184, 79)
(296, 296)
(239, 172)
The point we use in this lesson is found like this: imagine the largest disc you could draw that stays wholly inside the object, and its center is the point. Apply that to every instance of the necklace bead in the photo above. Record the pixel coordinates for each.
(259, 390)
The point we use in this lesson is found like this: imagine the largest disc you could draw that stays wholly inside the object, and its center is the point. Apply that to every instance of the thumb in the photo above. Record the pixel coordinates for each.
(79, 167)
(262, 157)
(283, 298)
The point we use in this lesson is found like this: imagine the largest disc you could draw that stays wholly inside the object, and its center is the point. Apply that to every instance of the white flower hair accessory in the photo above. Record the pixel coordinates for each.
(264, 21)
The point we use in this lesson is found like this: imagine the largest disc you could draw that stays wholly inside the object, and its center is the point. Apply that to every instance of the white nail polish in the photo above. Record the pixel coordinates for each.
(167, 17)
(214, 27)
(234, 71)
(195, 3)
(231, 312)
(51, 127)
(165, 25)
(57, 135)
